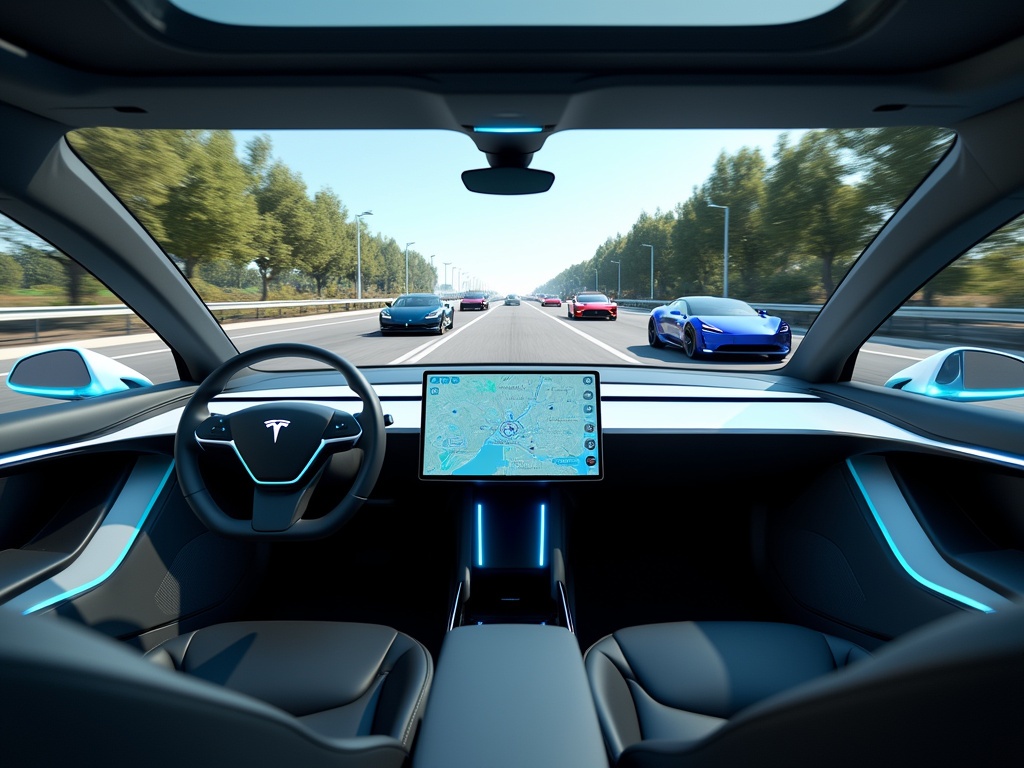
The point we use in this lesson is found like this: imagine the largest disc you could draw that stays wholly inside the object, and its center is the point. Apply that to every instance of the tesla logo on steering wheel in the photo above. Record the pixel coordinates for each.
(276, 425)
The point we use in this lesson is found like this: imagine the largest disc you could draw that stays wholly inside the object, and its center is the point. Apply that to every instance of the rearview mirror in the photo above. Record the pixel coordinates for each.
(508, 181)
(965, 374)
(72, 373)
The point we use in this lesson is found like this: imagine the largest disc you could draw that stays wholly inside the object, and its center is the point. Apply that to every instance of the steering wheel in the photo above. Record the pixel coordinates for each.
(283, 447)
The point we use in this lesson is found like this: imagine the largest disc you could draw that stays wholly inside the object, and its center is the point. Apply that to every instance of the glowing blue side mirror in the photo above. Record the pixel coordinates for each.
(72, 373)
(964, 374)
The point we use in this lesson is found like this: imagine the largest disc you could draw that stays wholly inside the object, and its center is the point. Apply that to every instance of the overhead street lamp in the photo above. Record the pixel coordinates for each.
(407, 264)
(725, 267)
(359, 252)
(645, 245)
(618, 293)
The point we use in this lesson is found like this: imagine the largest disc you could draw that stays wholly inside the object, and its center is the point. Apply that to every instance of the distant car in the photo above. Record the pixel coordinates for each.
(473, 300)
(551, 301)
(417, 312)
(591, 305)
(512, 300)
(712, 325)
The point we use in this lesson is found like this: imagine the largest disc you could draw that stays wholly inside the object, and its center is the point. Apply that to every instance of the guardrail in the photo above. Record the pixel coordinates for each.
(985, 325)
(37, 315)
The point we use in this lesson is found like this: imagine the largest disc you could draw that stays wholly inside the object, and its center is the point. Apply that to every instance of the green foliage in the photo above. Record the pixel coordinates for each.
(38, 266)
(143, 168)
(795, 226)
(210, 216)
(329, 252)
(11, 273)
(228, 275)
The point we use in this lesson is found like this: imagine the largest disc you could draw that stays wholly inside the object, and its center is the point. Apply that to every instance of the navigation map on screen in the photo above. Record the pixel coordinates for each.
(511, 424)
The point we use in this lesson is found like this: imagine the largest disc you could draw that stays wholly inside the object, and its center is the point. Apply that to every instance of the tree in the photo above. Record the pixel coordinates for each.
(891, 162)
(812, 207)
(211, 215)
(286, 215)
(144, 168)
(11, 273)
(327, 254)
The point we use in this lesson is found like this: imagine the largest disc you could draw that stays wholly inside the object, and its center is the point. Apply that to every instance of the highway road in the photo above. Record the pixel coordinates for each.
(503, 334)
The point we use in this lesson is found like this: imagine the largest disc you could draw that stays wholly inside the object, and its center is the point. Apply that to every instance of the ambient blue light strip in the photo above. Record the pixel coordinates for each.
(508, 129)
(480, 535)
(903, 561)
(141, 474)
(543, 532)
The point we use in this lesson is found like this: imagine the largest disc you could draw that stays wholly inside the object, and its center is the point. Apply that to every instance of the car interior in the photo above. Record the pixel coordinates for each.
(504, 549)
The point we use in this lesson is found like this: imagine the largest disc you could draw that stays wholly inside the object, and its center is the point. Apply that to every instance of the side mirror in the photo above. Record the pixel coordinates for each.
(72, 373)
(965, 374)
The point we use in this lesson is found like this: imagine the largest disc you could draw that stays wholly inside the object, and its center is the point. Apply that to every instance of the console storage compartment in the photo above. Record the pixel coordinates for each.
(510, 695)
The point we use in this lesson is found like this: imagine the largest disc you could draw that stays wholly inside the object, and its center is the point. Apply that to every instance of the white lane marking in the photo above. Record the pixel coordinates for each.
(890, 354)
(601, 344)
(291, 330)
(417, 354)
(140, 354)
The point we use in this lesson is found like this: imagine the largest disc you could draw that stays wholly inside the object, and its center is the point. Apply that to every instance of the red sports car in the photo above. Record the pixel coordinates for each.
(551, 301)
(591, 305)
(474, 300)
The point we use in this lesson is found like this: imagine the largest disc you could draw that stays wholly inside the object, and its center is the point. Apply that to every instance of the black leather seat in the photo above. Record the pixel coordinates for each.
(760, 694)
(252, 693)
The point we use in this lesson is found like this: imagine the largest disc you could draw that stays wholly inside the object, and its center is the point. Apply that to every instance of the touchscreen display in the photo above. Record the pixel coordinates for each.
(511, 424)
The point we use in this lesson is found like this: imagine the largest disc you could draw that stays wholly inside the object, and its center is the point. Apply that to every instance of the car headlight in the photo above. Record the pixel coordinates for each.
(385, 313)
(436, 313)
(709, 328)
(784, 327)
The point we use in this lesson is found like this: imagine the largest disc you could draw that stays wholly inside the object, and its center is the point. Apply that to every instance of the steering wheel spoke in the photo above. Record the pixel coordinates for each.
(276, 509)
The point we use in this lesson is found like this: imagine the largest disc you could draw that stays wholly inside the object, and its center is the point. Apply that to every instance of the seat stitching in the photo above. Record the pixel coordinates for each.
(184, 651)
(419, 701)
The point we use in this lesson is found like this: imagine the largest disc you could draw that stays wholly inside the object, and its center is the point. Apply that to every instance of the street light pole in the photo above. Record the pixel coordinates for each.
(645, 245)
(618, 293)
(407, 265)
(725, 267)
(359, 252)
(446, 263)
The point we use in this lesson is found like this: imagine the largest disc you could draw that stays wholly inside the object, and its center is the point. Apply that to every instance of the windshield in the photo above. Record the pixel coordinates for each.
(710, 305)
(343, 223)
(417, 301)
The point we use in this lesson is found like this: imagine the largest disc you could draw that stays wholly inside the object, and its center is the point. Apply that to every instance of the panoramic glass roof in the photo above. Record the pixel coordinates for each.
(468, 13)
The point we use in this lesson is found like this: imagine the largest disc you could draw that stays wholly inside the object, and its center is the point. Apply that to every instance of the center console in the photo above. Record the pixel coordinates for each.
(510, 695)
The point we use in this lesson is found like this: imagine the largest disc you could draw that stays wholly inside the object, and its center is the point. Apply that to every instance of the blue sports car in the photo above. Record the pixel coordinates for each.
(706, 325)
(417, 312)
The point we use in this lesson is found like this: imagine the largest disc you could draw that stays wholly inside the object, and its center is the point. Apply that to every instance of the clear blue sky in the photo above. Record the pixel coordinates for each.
(411, 181)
